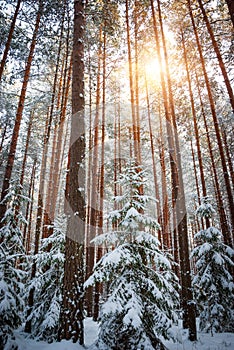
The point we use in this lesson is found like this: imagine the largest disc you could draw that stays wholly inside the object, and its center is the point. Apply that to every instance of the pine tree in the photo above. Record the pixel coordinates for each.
(142, 296)
(213, 283)
(12, 268)
(47, 285)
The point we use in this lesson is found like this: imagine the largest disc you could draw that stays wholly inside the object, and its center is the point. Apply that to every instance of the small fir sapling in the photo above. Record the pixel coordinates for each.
(212, 282)
(142, 297)
(47, 284)
(13, 267)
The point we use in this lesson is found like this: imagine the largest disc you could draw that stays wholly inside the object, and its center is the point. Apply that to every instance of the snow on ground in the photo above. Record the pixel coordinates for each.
(221, 341)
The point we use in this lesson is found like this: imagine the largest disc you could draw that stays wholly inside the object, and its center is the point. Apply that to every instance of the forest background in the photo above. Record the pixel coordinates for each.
(83, 96)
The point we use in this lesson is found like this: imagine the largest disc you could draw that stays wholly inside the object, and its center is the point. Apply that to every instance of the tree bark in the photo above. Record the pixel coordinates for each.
(218, 53)
(19, 113)
(215, 120)
(189, 315)
(71, 317)
(230, 5)
(199, 154)
(94, 210)
(10, 35)
(223, 218)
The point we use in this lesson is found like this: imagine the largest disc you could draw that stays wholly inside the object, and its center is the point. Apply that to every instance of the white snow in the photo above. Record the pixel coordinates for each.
(219, 341)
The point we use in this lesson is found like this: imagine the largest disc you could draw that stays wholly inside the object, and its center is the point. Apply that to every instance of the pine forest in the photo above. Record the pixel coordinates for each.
(116, 174)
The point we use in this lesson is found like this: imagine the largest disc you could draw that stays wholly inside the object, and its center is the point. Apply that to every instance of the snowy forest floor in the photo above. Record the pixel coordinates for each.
(220, 341)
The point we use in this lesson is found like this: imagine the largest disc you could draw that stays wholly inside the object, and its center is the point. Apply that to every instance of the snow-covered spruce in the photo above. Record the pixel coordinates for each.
(213, 283)
(47, 285)
(205, 210)
(142, 297)
(12, 268)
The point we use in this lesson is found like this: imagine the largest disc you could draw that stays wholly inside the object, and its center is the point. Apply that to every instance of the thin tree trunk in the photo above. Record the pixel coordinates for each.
(19, 113)
(4, 134)
(197, 184)
(94, 212)
(28, 214)
(218, 54)
(166, 232)
(222, 214)
(26, 148)
(21, 182)
(71, 316)
(199, 154)
(28, 324)
(230, 162)
(230, 5)
(10, 35)
(158, 204)
(57, 161)
(102, 173)
(189, 316)
(135, 131)
(215, 119)
(138, 136)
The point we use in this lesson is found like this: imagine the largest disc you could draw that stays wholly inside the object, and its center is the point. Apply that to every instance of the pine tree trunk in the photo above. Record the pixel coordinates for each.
(156, 188)
(215, 119)
(223, 219)
(230, 4)
(199, 154)
(218, 54)
(71, 317)
(135, 127)
(10, 35)
(189, 316)
(102, 175)
(94, 211)
(197, 184)
(166, 231)
(3, 136)
(50, 209)
(26, 148)
(28, 323)
(47, 220)
(28, 214)
(229, 158)
(19, 113)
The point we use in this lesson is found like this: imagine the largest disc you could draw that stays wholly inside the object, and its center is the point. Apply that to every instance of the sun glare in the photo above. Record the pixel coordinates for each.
(152, 69)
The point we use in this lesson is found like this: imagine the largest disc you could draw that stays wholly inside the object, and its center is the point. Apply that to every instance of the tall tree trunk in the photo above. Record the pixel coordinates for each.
(135, 131)
(215, 119)
(102, 173)
(136, 101)
(230, 5)
(71, 317)
(28, 324)
(196, 181)
(51, 205)
(3, 135)
(189, 315)
(229, 158)
(94, 211)
(199, 154)
(19, 113)
(156, 189)
(222, 214)
(28, 214)
(218, 54)
(166, 231)
(10, 35)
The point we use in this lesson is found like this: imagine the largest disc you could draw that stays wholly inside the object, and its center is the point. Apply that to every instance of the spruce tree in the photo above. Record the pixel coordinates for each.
(212, 282)
(47, 285)
(13, 272)
(142, 297)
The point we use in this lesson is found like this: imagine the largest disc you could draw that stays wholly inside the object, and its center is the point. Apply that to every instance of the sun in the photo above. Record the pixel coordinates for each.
(152, 69)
